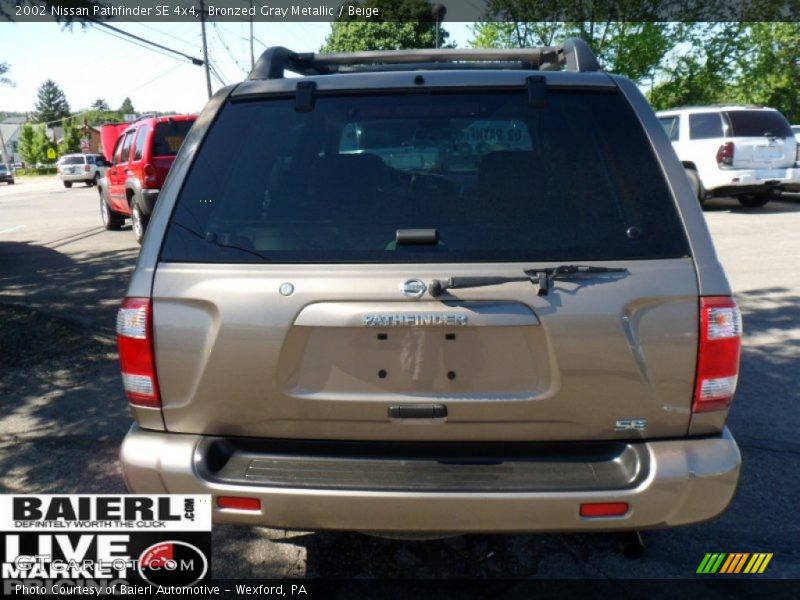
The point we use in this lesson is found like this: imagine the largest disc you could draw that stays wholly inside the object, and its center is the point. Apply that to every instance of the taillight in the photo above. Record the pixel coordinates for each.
(725, 154)
(136, 356)
(717, 353)
(604, 509)
(86, 168)
(150, 175)
(239, 502)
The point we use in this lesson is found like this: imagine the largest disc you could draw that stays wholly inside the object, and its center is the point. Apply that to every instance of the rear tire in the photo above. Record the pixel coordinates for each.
(138, 223)
(755, 200)
(67, 184)
(697, 187)
(93, 182)
(112, 220)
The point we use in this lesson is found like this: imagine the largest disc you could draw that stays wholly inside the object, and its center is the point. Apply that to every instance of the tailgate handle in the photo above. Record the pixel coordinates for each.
(418, 411)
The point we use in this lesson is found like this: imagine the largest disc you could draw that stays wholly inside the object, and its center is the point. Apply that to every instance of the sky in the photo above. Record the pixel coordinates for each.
(89, 63)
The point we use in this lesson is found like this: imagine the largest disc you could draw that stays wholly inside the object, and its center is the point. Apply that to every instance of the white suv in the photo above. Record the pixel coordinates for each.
(86, 168)
(746, 152)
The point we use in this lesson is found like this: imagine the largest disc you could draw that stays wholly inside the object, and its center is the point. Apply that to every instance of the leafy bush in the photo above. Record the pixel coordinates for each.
(35, 171)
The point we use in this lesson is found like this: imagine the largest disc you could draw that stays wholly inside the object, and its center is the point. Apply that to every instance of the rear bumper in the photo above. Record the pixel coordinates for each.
(686, 481)
(148, 200)
(73, 177)
(724, 182)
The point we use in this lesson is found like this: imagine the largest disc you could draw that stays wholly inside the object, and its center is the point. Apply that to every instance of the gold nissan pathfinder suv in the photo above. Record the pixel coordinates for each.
(432, 292)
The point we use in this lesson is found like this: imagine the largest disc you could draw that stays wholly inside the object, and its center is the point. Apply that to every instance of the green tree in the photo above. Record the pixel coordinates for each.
(102, 105)
(42, 144)
(706, 65)
(630, 48)
(401, 24)
(25, 145)
(33, 144)
(517, 34)
(4, 68)
(97, 117)
(127, 107)
(769, 67)
(492, 34)
(51, 104)
(71, 139)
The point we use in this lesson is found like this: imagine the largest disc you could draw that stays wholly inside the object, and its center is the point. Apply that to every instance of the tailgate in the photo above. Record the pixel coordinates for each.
(335, 357)
(162, 165)
(764, 153)
(762, 139)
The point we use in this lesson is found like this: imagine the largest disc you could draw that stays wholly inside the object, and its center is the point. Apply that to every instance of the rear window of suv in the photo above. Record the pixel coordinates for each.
(72, 160)
(758, 123)
(499, 179)
(169, 136)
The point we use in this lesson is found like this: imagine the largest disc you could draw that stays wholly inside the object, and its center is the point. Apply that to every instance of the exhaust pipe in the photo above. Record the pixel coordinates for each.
(631, 544)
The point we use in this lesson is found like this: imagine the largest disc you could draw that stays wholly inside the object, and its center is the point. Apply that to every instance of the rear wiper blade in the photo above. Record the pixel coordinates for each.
(543, 278)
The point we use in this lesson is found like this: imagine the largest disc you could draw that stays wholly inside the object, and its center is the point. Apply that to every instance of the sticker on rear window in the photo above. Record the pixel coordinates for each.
(173, 142)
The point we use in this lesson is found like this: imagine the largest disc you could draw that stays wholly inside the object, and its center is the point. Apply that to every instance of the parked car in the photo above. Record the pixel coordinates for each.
(6, 174)
(141, 160)
(746, 152)
(796, 131)
(81, 168)
(322, 337)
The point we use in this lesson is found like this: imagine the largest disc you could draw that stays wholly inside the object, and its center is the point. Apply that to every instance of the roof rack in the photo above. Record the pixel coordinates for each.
(574, 54)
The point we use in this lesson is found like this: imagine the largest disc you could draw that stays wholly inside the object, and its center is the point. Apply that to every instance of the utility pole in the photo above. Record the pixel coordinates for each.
(252, 56)
(3, 154)
(205, 47)
(439, 11)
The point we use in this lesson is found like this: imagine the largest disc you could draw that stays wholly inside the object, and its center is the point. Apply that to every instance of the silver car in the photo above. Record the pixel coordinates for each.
(328, 327)
(81, 168)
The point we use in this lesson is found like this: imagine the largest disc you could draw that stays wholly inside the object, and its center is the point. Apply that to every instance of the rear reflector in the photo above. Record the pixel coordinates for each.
(718, 353)
(136, 357)
(604, 509)
(238, 503)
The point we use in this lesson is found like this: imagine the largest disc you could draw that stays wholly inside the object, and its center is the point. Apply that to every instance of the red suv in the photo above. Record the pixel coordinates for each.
(141, 160)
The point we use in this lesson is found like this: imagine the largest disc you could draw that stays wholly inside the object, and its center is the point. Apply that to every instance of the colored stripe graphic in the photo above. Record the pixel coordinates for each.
(758, 562)
(734, 563)
(711, 562)
(728, 561)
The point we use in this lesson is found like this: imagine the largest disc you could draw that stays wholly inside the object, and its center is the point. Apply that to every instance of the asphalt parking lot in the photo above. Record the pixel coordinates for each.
(63, 413)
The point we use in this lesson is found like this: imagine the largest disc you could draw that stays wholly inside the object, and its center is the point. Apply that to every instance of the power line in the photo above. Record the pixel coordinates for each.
(194, 61)
(119, 37)
(224, 45)
(62, 119)
(181, 40)
(149, 81)
(219, 77)
(216, 73)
